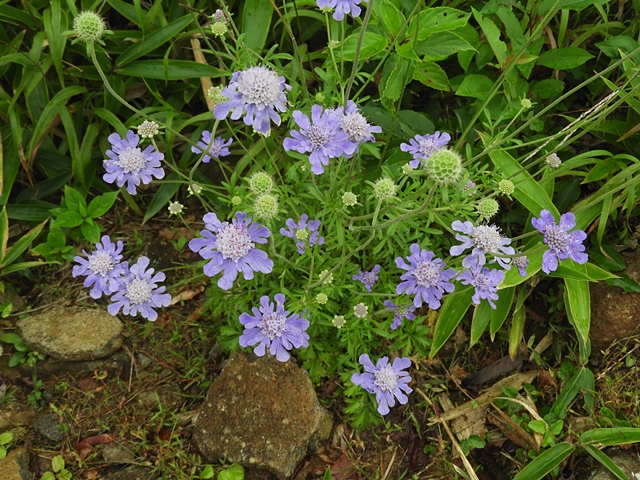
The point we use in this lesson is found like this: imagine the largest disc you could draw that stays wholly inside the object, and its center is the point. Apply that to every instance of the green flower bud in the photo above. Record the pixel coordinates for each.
(321, 298)
(506, 187)
(236, 200)
(89, 27)
(260, 183)
(444, 167)
(526, 103)
(266, 207)
(175, 208)
(326, 277)
(349, 199)
(384, 188)
(360, 310)
(148, 129)
(338, 321)
(487, 208)
(219, 29)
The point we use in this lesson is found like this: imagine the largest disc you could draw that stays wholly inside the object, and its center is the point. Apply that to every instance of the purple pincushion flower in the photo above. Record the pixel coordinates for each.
(231, 248)
(102, 267)
(423, 146)
(400, 313)
(485, 282)
(274, 328)
(324, 138)
(385, 380)
(216, 148)
(342, 7)
(521, 262)
(355, 125)
(259, 91)
(138, 292)
(368, 278)
(483, 239)
(304, 232)
(128, 164)
(426, 277)
(562, 244)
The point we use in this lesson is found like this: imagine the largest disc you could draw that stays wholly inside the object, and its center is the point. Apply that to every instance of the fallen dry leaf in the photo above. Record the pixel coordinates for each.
(342, 468)
(95, 440)
(186, 295)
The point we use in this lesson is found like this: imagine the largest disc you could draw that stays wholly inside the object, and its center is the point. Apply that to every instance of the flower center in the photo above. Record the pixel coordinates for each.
(426, 147)
(386, 379)
(482, 282)
(427, 274)
(138, 291)
(234, 242)
(319, 136)
(369, 278)
(259, 86)
(131, 160)
(272, 325)
(487, 238)
(101, 263)
(557, 238)
(302, 234)
(521, 262)
(356, 126)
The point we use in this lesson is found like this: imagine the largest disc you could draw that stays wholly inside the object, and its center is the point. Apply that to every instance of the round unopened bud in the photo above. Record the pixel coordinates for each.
(219, 29)
(407, 169)
(218, 16)
(338, 321)
(194, 189)
(321, 298)
(320, 97)
(175, 208)
(266, 207)
(553, 160)
(506, 187)
(360, 310)
(526, 103)
(260, 183)
(148, 129)
(326, 277)
(236, 200)
(349, 199)
(89, 26)
(444, 167)
(487, 208)
(384, 188)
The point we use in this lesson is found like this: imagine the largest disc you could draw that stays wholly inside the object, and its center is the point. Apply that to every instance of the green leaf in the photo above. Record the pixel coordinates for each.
(389, 15)
(393, 84)
(610, 436)
(327, 474)
(615, 45)
(74, 200)
(517, 329)
(438, 19)
(503, 307)
(625, 282)
(492, 34)
(590, 272)
(564, 58)
(21, 245)
(16, 359)
(4, 231)
(207, 472)
(582, 380)
(475, 85)
(162, 196)
(154, 40)
(169, 70)
(545, 462)
(372, 44)
(538, 426)
(578, 305)
(56, 237)
(602, 457)
(91, 231)
(256, 22)
(57, 463)
(6, 437)
(102, 204)
(432, 75)
(453, 309)
(11, 338)
(441, 45)
(68, 219)
(234, 472)
(479, 322)
(549, 88)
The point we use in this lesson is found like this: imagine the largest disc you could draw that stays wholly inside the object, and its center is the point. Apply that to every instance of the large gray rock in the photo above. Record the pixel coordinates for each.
(628, 464)
(261, 413)
(15, 466)
(72, 333)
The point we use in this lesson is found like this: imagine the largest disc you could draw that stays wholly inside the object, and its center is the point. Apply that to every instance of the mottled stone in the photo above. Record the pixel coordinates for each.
(15, 466)
(167, 396)
(114, 453)
(49, 428)
(628, 464)
(13, 414)
(261, 413)
(615, 314)
(72, 333)
(133, 473)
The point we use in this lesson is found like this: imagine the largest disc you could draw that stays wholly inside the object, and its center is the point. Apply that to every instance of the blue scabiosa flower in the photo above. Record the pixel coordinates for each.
(324, 138)
(231, 248)
(138, 292)
(385, 380)
(426, 277)
(273, 327)
(423, 146)
(400, 313)
(355, 125)
(259, 92)
(213, 148)
(483, 239)
(102, 267)
(562, 244)
(128, 164)
(304, 232)
(485, 282)
(368, 278)
(521, 262)
(342, 7)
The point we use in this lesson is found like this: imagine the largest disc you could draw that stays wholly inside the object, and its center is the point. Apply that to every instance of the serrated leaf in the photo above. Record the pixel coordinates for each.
(389, 15)
(549, 88)
(475, 85)
(438, 19)
(398, 79)
(492, 34)
(564, 58)
(431, 75)
(102, 204)
(372, 44)
(441, 45)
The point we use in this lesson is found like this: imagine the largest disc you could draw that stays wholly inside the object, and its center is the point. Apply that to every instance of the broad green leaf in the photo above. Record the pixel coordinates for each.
(590, 272)
(582, 380)
(389, 15)
(432, 75)
(614, 45)
(74, 200)
(545, 462)
(538, 426)
(438, 19)
(578, 305)
(102, 204)
(56, 237)
(68, 219)
(416, 122)
(479, 322)
(169, 70)
(602, 457)
(625, 282)
(6, 437)
(453, 309)
(4, 231)
(610, 436)
(475, 85)
(396, 81)
(441, 45)
(564, 58)
(549, 88)
(517, 329)
(372, 44)
(162, 196)
(21, 245)
(11, 338)
(57, 463)
(492, 34)
(256, 20)
(151, 42)
(577, 5)
(503, 306)
(90, 231)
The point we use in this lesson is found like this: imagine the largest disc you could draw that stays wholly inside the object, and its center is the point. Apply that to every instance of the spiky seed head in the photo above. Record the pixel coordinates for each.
(219, 29)
(526, 103)
(384, 188)
(444, 167)
(487, 208)
(506, 187)
(266, 207)
(349, 199)
(260, 183)
(89, 27)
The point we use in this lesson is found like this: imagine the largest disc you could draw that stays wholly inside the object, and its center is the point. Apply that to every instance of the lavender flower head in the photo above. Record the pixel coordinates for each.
(231, 248)
(368, 278)
(342, 7)
(273, 327)
(355, 125)
(102, 267)
(128, 164)
(400, 313)
(423, 146)
(213, 148)
(324, 138)
(259, 92)
(485, 282)
(385, 380)
(138, 292)
(521, 262)
(304, 232)
(426, 277)
(562, 244)
(483, 239)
